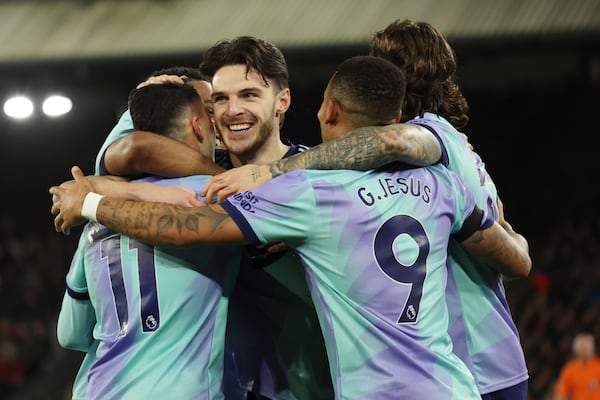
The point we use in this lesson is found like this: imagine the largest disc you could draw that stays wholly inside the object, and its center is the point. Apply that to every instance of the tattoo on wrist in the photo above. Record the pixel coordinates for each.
(255, 174)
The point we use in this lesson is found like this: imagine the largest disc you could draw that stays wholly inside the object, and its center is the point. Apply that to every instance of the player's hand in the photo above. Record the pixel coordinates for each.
(235, 180)
(163, 79)
(274, 247)
(177, 195)
(67, 200)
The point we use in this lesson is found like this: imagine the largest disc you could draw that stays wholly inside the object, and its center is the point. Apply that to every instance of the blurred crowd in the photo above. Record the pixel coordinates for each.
(560, 299)
(33, 264)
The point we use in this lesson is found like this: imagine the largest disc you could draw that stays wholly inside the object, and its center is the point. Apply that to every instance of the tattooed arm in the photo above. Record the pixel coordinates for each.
(155, 223)
(505, 253)
(361, 149)
(169, 225)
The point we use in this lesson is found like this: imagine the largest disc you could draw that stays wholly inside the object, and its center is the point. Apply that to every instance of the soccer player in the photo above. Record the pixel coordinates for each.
(151, 318)
(373, 245)
(129, 153)
(250, 79)
(270, 304)
(484, 334)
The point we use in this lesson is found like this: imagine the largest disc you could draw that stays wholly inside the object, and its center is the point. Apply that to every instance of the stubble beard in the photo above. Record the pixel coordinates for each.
(246, 150)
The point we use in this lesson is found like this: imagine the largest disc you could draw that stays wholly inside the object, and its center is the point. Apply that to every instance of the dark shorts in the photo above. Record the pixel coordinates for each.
(517, 392)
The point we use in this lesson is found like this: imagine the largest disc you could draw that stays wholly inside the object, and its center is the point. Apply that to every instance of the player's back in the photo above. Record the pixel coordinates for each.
(483, 332)
(375, 247)
(160, 314)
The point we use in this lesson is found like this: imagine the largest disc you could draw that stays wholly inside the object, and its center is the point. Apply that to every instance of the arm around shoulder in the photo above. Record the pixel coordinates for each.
(141, 153)
(367, 148)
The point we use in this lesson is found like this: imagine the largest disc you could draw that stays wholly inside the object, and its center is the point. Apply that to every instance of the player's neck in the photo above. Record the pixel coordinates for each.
(271, 150)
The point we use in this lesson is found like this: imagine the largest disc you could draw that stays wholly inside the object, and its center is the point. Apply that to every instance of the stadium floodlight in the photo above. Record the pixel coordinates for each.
(19, 107)
(57, 105)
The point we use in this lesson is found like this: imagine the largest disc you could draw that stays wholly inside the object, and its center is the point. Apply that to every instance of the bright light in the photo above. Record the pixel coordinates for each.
(19, 107)
(57, 105)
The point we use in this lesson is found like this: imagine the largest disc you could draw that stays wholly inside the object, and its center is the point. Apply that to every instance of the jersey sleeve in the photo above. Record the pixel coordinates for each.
(282, 209)
(422, 122)
(467, 210)
(488, 187)
(77, 318)
(76, 321)
(121, 129)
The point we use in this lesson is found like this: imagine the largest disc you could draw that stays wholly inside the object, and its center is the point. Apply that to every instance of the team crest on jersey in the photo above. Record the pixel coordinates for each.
(151, 323)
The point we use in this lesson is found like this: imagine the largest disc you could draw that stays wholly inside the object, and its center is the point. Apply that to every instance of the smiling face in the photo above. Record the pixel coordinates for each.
(246, 110)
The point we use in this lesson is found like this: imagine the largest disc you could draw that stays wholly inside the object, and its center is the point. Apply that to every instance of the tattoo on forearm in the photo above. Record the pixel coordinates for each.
(501, 250)
(362, 149)
(161, 223)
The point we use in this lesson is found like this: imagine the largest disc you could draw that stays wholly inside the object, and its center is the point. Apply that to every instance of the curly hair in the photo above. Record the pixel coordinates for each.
(429, 65)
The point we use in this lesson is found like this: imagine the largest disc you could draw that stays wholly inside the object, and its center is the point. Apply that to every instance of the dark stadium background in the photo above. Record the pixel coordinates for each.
(534, 102)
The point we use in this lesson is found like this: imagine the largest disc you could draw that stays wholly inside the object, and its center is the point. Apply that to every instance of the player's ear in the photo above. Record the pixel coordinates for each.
(283, 101)
(398, 117)
(333, 113)
(197, 129)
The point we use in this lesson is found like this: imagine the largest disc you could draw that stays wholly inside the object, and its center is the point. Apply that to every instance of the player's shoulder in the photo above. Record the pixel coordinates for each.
(294, 147)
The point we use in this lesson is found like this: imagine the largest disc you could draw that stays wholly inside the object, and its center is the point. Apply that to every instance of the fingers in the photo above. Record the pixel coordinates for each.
(277, 247)
(55, 191)
(212, 187)
(60, 195)
(67, 184)
(197, 203)
(208, 190)
(77, 173)
(162, 79)
(57, 223)
(61, 226)
(55, 208)
(219, 188)
(225, 193)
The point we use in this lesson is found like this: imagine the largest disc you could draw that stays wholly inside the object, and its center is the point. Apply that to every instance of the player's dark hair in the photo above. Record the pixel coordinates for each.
(371, 88)
(429, 64)
(161, 108)
(256, 54)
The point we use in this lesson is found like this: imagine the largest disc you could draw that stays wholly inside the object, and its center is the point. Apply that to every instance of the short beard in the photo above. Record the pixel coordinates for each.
(248, 153)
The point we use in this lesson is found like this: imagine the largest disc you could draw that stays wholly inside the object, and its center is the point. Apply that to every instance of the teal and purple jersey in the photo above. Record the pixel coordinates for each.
(484, 334)
(123, 127)
(273, 327)
(268, 357)
(373, 246)
(160, 313)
